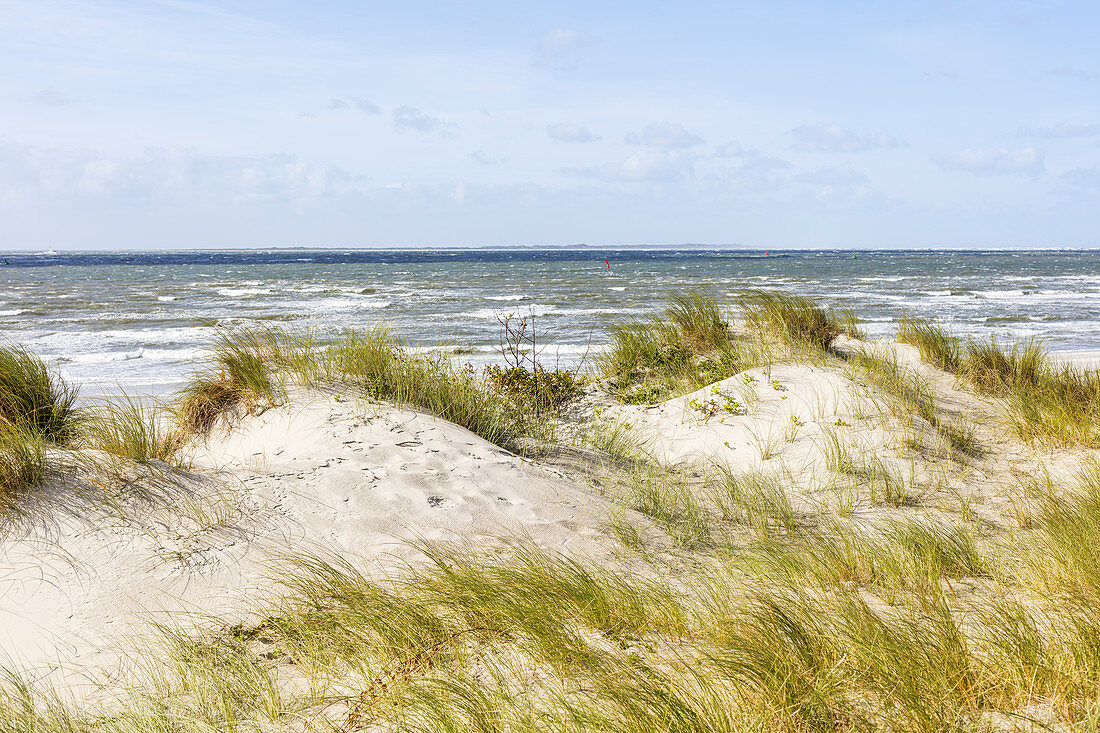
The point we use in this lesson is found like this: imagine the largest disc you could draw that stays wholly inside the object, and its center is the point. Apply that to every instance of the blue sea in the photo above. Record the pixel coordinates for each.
(142, 321)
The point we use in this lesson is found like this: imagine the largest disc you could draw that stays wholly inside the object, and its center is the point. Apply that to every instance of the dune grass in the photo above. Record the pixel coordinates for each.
(692, 343)
(253, 367)
(23, 462)
(35, 399)
(688, 345)
(829, 626)
(133, 429)
(795, 320)
(240, 379)
(936, 346)
(1056, 405)
(911, 399)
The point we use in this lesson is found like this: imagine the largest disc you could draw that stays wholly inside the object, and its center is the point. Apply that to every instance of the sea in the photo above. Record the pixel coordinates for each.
(142, 322)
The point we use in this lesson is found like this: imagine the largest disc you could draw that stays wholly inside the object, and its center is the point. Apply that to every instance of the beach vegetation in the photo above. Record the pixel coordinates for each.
(140, 431)
(795, 320)
(253, 369)
(688, 345)
(34, 399)
(1047, 402)
(545, 389)
(239, 379)
(23, 462)
(936, 345)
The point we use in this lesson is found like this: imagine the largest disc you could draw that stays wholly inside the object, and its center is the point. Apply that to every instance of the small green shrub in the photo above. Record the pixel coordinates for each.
(543, 389)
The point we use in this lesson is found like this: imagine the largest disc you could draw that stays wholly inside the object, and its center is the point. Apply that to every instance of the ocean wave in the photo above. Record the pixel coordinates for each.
(243, 292)
(167, 298)
(505, 297)
(15, 312)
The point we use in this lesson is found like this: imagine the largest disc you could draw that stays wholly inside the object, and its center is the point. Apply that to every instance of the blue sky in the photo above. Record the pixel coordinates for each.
(174, 123)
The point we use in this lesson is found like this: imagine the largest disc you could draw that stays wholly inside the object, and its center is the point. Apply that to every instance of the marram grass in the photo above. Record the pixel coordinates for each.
(35, 399)
(1048, 403)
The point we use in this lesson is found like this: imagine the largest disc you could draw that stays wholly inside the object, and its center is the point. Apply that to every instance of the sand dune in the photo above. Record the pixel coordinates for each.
(343, 478)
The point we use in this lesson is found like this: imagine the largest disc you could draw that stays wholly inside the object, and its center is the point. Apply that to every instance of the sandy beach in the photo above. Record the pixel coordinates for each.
(861, 461)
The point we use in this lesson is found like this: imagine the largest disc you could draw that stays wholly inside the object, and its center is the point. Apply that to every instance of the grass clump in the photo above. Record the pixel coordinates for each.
(376, 363)
(23, 463)
(1054, 404)
(34, 399)
(936, 346)
(796, 320)
(685, 347)
(132, 429)
(241, 378)
(1049, 403)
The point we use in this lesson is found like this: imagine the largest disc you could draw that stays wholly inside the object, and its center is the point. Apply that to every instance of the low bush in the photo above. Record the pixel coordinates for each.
(544, 389)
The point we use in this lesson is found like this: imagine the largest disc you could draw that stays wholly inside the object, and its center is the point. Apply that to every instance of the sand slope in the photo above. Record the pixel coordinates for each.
(337, 477)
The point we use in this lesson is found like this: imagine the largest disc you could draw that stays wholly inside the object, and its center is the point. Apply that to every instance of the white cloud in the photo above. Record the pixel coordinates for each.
(175, 175)
(360, 103)
(664, 135)
(411, 118)
(558, 47)
(1083, 177)
(645, 165)
(837, 139)
(1028, 161)
(480, 156)
(1061, 131)
(51, 98)
(1072, 73)
(570, 133)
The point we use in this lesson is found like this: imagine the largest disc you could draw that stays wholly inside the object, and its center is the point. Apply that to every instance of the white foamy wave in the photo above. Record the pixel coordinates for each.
(346, 303)
(505, 297)
(534, 310)
(243, 292)
(15, 312)
(167, 298)
(618, 289)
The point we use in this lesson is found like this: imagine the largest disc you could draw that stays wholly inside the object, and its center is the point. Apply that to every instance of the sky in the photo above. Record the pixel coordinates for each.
(272, 123)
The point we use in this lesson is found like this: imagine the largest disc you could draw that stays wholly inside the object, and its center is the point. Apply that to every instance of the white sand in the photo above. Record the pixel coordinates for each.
(334, 477)
(77, 591)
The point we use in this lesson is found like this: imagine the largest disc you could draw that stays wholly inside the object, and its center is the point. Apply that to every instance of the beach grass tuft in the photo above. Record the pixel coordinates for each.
(798, 321)
(35, 399)
(936, 345)
(688, 345)
(239, 378)
(23, 462)
(129, 428)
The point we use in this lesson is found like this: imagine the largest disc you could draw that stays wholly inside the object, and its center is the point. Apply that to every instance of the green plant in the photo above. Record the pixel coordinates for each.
(23, 463)
(797, 320)
(544, 390)
(132, 429)
(240, 377)
(687, 346)
(34, 399)
(935, 345)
